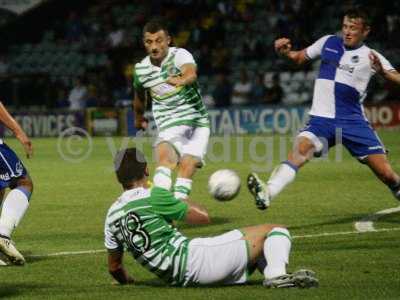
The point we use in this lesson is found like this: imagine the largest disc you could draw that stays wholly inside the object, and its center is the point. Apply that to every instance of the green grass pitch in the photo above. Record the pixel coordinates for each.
(70, 201)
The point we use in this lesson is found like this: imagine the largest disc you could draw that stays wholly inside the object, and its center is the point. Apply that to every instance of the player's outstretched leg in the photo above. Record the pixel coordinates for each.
(270, 247)
(193, 152)
(301, 279)
(282, 175)
(167, 160)
(14, 207)
(263, 193)
(183, 185)
(259, 191)
(276, 252)
(380, 165)
(8, 249)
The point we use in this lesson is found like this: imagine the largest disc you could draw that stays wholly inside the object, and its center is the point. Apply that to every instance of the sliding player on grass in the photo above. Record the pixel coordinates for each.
(139, 222)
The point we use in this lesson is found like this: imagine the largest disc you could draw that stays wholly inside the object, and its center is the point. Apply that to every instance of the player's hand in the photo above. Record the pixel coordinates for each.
(283, 46)
(26, 143)
(175, 80)
(375, 62)
(141, 123)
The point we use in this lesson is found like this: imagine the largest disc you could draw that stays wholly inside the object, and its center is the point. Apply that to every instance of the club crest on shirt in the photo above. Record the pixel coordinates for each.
(355, 59)
(172, 70)
(19, 168)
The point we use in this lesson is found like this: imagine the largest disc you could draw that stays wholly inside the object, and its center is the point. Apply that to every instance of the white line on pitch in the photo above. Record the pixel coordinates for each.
(342, 233)
(67, 253)
(367, 223)
(307, 236)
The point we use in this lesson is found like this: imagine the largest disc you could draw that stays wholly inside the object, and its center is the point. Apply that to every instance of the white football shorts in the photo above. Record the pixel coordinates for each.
(186, 140)
(222, 259)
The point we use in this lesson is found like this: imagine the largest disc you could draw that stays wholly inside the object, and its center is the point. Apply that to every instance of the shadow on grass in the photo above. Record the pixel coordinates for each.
(36, 259)
(393, 218)
(160, 284)
(9, 291)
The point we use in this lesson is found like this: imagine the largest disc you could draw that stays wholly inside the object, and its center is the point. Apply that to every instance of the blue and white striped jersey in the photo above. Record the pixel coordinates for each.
(341, 85)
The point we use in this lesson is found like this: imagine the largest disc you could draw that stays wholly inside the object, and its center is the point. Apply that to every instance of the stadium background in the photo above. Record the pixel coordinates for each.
(44, 49)
(47, 47)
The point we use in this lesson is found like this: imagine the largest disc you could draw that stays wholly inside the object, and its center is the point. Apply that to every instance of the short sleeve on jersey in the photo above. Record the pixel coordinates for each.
(110, 242)
(183, 57)
(136, 83)
(315, 49)
(165, 204)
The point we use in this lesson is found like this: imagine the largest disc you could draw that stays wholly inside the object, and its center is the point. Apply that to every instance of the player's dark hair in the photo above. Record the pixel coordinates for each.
(154, 25)
(130, 165)
(359, 12)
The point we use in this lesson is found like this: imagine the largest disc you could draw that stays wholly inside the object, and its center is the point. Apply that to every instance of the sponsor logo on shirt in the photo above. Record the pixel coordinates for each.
(5, 177)
(355, 59)
(374, 147)
(331, 50)
(346, 68)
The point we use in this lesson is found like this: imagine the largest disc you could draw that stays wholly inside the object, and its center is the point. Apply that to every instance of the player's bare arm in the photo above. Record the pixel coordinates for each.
(19, 133)
(196, 214)
(188, 76)
(376, 64)
(139, 105)
(116, 268)
(283, 46)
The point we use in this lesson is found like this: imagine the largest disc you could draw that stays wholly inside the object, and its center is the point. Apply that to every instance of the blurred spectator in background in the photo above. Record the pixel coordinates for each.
(73, 28)
(242, 89)
(204, 61)
(92, 99)
(221, 34)
(252, 47)
(258, 90)
(220, 57)
(223, 91)
(115, 36)
(78, 95)
(275, 92)
(105, 99)
(3, 65)
(62, 98)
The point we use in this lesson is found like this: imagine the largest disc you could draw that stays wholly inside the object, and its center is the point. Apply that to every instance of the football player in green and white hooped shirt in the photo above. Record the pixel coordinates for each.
(168, 76)
(140, 222)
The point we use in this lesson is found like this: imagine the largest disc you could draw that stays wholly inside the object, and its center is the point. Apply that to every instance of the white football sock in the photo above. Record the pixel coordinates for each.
(162, 178)
(182, 188)
(280, 178)
(14, 208)
(276, 252)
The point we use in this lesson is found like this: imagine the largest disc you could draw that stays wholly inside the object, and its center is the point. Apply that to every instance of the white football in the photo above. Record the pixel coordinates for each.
(224, 185)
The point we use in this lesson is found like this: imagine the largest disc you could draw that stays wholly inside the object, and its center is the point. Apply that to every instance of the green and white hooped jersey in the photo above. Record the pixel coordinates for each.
(139, 222)
(172, 106)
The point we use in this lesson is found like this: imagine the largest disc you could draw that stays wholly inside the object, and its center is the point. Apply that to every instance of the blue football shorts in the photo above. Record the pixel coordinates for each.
(11, 167)
(357, 136)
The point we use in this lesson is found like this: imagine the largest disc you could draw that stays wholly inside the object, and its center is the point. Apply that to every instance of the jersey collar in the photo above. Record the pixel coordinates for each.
(353, 48)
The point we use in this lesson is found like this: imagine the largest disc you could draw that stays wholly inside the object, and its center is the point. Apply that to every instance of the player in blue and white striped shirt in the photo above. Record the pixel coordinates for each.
(337, 114)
